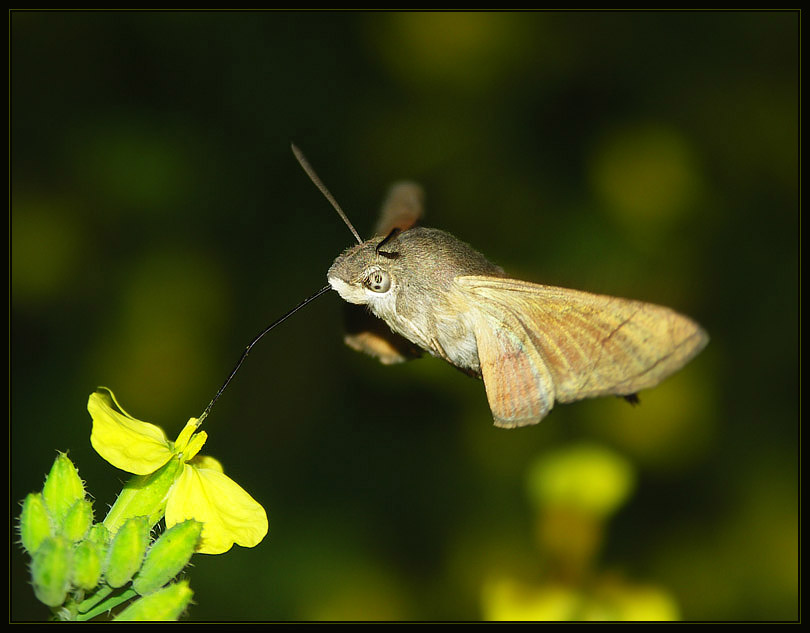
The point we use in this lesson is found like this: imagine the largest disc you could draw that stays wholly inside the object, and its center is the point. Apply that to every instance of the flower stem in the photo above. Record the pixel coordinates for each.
(105, 604)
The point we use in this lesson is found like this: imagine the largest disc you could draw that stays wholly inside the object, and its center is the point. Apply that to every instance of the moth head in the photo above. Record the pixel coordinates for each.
(366, 273)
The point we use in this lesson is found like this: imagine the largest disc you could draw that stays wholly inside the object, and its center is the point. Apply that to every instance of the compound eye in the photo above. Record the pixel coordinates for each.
(378, 281)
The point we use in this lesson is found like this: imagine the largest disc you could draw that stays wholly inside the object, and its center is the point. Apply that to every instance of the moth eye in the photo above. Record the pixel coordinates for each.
(378, 281)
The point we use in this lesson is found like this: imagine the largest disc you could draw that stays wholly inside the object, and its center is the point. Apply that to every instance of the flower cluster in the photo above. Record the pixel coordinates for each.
(82, 569)
(173, 478)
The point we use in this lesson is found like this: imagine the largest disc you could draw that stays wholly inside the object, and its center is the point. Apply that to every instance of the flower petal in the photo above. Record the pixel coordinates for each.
(229, 514)
(129, 444)
(206, 461)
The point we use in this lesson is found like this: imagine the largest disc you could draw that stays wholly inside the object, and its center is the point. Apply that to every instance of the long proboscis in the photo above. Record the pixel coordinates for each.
(252, 343)
(314, 178)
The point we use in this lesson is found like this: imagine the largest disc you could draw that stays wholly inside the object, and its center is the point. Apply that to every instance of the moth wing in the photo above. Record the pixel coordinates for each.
(519, 386)
(402, 209)
(592, 345)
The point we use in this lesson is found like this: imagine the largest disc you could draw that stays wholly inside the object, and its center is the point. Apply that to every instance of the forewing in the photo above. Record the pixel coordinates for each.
(593, 345)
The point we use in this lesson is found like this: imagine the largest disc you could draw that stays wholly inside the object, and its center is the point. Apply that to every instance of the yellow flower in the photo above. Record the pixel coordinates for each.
(196, 487)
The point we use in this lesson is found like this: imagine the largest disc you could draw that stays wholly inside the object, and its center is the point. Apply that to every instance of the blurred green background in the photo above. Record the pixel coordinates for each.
(159, 220)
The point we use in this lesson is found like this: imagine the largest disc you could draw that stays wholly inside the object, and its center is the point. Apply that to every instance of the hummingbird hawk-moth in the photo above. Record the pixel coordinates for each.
(533, 345)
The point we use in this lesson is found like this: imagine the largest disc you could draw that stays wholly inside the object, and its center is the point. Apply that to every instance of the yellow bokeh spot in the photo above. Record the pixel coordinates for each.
(607, 599)
(449, 50)
(671, 428)
(589, 478)
(47, 249)
(646, 177)
(504, 599)
(165, 311)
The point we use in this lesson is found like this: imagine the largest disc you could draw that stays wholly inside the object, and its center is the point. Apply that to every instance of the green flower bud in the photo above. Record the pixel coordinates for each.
(126, 551)
(62, 488)
(165, 604)
(167, 557)
(99, 535)
(35, 522)
(86, 565)
(144, 496)
(51, 570)
(78, 520)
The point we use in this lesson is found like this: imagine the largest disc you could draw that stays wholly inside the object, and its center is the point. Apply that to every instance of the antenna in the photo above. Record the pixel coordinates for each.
(252, 343)
(314, 178)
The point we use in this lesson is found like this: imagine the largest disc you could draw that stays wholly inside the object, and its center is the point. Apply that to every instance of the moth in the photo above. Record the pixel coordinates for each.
(532, 345)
